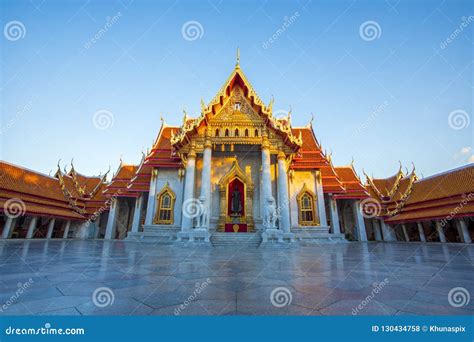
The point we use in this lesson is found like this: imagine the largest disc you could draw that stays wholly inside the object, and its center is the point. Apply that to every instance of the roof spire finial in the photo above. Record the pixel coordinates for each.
(237, 63)
(185, 117)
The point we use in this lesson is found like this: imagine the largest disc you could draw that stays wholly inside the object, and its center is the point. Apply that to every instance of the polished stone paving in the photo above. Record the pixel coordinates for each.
(149, 279)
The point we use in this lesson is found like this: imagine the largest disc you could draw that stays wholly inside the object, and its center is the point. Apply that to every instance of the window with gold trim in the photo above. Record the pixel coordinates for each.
(165, 206)
(306, 208)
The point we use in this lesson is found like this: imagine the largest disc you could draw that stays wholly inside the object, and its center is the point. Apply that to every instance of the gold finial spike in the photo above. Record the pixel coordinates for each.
(203, 106)
(237, 63)
(352, 162)
(185, 117)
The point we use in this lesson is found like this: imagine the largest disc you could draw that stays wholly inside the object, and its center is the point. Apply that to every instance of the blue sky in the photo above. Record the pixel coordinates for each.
(375, 98)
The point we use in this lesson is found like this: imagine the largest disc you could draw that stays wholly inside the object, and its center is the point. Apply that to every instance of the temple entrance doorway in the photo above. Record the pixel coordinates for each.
(236, 191)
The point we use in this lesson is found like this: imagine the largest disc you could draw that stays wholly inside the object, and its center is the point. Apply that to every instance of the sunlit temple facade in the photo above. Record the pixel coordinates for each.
(236, 174)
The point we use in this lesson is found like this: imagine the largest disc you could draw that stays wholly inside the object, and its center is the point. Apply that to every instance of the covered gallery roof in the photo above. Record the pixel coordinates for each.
(442, 196)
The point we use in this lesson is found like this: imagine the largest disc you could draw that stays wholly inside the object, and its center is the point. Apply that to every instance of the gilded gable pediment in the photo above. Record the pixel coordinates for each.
(236, 110)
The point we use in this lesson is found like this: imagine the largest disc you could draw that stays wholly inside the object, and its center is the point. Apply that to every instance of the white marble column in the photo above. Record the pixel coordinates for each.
(283, 197)
(463, 231)
(320, 194)
(66, 229)
(206, 179)
(137, 213)
(376, 227)
(405, 233)
(359, 221)
(439, 229)
(387, 231)
(266, 173)
(112, 220)
(336, 227)
(421, 231)
(83, 230)
(187, 220)
(151, 205)
(50, 228)
(31, 228)
(8, 227)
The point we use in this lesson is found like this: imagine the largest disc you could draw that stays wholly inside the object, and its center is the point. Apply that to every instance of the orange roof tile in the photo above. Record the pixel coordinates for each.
(449, 193)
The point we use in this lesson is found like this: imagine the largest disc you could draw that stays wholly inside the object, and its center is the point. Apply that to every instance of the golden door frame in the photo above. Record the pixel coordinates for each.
(235, 172)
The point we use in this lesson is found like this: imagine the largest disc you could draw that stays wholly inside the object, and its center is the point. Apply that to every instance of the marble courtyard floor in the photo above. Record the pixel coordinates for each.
(149, 279)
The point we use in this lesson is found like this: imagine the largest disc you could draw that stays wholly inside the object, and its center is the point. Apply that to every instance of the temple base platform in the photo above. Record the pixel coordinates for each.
(319, 234)
(277, 236)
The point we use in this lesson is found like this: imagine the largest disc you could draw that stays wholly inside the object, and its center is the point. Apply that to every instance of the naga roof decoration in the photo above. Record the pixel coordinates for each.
(84, 194)
(391, 193)
(442, 196)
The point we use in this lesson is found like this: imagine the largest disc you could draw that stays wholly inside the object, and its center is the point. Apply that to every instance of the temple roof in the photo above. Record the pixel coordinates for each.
(446, 195)
(40, 194)
(351, 182)
(237, 78)
(120, 181)
(391, 193)
(161, 155)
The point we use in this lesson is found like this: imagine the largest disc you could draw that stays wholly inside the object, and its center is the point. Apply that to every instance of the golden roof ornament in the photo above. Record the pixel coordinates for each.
(185, 117)
(237, 63)
(270, 106)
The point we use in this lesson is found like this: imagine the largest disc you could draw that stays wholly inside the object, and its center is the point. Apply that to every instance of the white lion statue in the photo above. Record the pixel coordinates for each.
(271, 216)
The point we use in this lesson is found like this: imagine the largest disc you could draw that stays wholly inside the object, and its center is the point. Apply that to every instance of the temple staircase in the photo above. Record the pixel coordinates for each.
(236, 239)
(315, 235)
(155, 234)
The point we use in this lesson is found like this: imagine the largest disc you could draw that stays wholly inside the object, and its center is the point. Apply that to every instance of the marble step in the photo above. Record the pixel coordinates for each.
(236, 239)
(155, 234)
